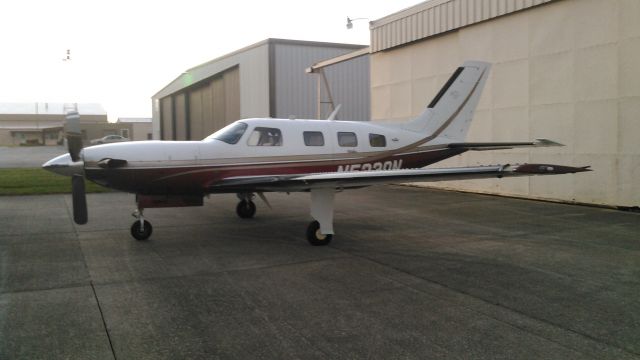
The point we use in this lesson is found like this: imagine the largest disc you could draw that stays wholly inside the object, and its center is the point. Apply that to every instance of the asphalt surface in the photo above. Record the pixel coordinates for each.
(28, 156)
(411, 274)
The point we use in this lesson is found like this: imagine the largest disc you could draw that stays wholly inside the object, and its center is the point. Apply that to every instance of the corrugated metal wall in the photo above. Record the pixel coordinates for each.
(198, 107)
(436, 17)
(254, 93)
(180, 117)
(198, 111)
(296, 91)
(232, 94)
(166, 117)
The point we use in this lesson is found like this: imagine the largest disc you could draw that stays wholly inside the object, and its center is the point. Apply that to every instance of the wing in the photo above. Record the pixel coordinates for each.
(356, 179)
(480, 146)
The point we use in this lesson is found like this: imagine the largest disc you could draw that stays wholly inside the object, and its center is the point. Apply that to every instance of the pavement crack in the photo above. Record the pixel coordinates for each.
(93, 289)
(104, 322)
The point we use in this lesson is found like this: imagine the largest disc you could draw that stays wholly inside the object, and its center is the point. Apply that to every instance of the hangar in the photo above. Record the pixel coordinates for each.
(562, 69)
(266, 79)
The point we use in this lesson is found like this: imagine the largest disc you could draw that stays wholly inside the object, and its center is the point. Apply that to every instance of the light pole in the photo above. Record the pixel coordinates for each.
(350, 21)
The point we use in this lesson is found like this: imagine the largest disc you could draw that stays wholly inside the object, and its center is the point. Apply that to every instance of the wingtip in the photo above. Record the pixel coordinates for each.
(546, 142)
(551, 169)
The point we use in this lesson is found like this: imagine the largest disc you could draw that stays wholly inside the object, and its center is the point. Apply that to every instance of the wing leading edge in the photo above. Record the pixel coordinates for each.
(355, 179)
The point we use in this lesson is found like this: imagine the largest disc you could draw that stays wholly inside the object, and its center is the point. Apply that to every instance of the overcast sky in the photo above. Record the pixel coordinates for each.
(123, 52)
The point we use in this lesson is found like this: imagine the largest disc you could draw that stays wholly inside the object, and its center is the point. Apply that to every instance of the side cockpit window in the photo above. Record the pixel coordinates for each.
(230, 133)
(313, 138)
(264, 136)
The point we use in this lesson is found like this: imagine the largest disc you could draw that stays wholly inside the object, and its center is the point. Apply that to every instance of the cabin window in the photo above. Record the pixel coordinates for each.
(313, 138)
(264, 136)
(377, 140)
(347, 139)
(230, 133)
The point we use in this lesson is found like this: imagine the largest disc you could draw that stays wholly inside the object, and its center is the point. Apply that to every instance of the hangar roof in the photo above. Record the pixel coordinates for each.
(188, 78)
(435, 17)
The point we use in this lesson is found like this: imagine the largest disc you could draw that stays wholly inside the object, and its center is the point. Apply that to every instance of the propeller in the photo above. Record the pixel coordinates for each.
(74, 144)
(80, 215)
(73, 134)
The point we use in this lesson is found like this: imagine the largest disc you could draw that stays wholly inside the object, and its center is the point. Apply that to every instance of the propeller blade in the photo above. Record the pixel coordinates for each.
(79, 200)
(73, 134)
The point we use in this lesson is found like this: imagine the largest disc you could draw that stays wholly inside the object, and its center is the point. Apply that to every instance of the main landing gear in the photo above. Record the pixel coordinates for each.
(246, 208)
(141, 228)
(319, 231)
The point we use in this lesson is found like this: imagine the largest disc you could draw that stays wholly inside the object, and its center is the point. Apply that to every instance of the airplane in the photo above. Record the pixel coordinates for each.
(322, 157)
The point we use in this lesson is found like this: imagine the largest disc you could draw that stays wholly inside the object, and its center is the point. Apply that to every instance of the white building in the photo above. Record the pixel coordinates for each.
(566, 70)
(141, 128)
(42, 123)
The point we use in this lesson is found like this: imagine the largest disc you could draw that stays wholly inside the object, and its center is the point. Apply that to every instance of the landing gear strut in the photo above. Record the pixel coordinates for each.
(246, 208)
(141, 228)
(320, 231)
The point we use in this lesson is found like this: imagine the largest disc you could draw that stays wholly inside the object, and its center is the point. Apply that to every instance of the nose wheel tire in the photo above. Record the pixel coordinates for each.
(246, 209)
(315, 237)
(141, 233)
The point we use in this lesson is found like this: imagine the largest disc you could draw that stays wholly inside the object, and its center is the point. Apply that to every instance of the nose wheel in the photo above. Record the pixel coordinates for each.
(141, 229)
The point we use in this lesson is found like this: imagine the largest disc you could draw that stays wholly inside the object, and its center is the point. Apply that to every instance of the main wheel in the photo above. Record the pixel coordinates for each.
(315, 237)
(246, 209)
(141, 234)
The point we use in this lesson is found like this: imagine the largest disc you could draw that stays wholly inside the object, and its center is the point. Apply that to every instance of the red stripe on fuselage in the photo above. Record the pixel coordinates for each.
(197, 179)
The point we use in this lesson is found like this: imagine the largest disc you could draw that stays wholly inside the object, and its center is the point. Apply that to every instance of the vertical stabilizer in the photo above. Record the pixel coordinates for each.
(449, 114)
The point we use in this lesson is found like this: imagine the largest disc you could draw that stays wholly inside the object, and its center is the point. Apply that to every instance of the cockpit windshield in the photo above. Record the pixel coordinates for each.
(230, 133)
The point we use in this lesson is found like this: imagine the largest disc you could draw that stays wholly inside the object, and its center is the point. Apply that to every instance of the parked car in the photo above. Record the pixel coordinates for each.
(108, 139)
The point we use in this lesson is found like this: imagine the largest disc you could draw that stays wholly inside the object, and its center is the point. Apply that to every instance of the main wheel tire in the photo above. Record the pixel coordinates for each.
(141, 234)
(315, 237)
(246, 209)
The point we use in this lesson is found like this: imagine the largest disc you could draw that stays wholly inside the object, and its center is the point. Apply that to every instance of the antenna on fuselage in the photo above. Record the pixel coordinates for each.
(334, 114)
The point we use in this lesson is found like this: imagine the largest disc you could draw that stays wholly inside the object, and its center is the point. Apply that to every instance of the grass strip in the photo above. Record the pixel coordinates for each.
(36, 181)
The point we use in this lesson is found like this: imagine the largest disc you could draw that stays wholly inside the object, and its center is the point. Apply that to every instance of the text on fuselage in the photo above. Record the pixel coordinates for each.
(380, 165)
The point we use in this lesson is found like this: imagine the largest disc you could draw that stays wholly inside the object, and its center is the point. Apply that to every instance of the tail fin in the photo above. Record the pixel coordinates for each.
(449, 114)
